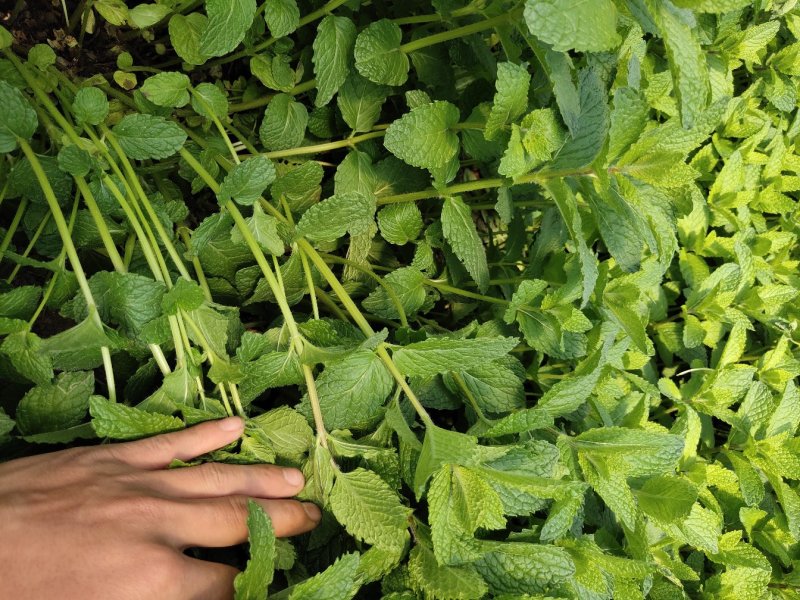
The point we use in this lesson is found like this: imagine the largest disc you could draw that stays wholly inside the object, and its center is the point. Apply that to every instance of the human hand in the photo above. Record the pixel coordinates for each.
(111, 522)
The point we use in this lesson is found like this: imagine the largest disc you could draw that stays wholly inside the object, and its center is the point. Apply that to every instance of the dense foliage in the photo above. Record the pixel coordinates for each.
(514, 283)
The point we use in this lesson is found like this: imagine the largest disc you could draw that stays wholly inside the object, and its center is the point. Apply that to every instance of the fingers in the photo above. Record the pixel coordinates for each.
(205, 580)
(213, 480)
(221, 522)
(159, 451)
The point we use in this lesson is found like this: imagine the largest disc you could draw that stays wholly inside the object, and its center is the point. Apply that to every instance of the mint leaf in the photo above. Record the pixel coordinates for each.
(333, 48)
(185, 32)
(121, 422)
(284, 124)
(55, 406)
(227, 25)
(573, 24)
(361, 101)
(511, 99)
(18, 118)
(167, 89)
(350, 212)
(246, 182)
(369, 509)
(378, 55)
(424, 137)
(282, 16)
(90, 105)
(460, 232)
(440, 355)
(145, 136)
(253, 582)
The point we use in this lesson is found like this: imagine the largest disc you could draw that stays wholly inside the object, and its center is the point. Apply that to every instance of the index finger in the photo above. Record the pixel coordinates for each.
(159, 451)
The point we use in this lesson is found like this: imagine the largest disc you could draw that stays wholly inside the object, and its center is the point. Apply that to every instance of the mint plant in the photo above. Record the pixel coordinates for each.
(513, 282)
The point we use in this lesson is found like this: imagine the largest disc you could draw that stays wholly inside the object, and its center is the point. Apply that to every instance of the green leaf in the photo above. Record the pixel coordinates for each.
(440, 355)
(287, 431)
(79, 347)
(351, 212)
(409, 291)
(574, 24)
(75, 161)
(514, 567)
(284, 124)
(6, 39)
(462, 235)
(90, 105)
(333, 49)
(282, 16)
(369, 509)
(511, 99)
(431, 580)
(636, 452)
(275, 369)
(144, 136)
(686, 59)
(184, 33)
(246, 182)
(274, 72)
(400, 223)
(184, 295)
(496, 386)
(17, 119)
(209, 101)
(353, 390)
(378, 55)
(228, 22)
(337, 582)
(424, 137)
(264, 228)
(440, 447)
(666, 499)
(24, 351)
(360, 101)
(55, 406)
(459, 502)
(41, 56)
(147, 15)
(121, 422)
(252, 583)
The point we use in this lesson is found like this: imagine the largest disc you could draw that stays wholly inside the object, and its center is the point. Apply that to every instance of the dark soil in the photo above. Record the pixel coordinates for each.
(43, 22)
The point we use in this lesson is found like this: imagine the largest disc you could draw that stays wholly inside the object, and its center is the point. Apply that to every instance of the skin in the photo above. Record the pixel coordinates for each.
(112, 521)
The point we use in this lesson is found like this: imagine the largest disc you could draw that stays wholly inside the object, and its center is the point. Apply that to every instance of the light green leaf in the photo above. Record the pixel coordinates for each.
(228, 22)
(184, 33)
(352, 391)
(17, 119)
(360, 101)
(209, 101)
(440, 447)
(329, 220)
(400, 223)
(246, 182)
(282, 16)
(666, 498)
(284, 124)
(440, 355)
(146, 136)
(369, 509)
(431, 580)
(333, 49)
(337, 582)
(574, 24)
(424, 137)
(514, 567)
(147, 15)
(462, 235)
(90, 105)
(167, 89)
(378, 55)
(55, 406)
(510, 100)
(121, 422)
(252, 583)
(287, 431)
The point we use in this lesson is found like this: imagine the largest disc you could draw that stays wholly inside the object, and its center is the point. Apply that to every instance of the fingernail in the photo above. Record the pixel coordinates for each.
(313, 511)
(231, 424)
(293, 477)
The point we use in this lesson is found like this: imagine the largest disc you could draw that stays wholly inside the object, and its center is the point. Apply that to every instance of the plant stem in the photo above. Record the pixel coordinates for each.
(313, 398)
(459, 292)
(97, 216)
(459, 32)
(34, 238)
(72, 254)
(12, 228)
(327, 147)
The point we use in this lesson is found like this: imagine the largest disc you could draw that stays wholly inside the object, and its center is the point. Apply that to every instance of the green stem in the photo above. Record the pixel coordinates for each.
(72, 254)
(313, 398)
(327, 147)
(459, 292)
(12, 228)
(470, 397)
(459, 32)
(34, 238)
(97, 216)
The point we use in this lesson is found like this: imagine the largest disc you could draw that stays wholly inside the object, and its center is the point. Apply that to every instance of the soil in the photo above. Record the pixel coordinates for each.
(43, 22)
